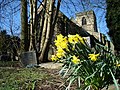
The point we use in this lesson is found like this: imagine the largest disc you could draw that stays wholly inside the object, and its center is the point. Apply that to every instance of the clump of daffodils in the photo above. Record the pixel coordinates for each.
(95, 68)
(62, 45)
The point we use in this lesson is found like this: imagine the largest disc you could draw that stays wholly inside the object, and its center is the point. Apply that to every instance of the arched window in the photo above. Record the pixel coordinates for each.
(84, 21)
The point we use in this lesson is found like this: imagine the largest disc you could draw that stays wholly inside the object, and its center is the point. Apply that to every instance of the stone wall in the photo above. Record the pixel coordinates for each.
(65, 26)
(90, 21)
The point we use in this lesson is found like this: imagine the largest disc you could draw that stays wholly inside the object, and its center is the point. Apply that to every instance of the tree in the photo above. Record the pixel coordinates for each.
(33, 24)
(113, 21)
(9, 44)
(24, 26)
(49, 24)
(3, 41)
(9, 16)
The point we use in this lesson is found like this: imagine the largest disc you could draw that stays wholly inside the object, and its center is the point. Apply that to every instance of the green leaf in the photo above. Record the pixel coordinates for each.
(114, 80)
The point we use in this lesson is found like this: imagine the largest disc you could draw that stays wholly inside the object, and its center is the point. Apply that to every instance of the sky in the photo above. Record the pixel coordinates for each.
(10, 16)
(68, 7)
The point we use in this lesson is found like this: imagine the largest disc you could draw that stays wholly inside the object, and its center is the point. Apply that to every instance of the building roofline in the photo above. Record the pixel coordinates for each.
(86, 12)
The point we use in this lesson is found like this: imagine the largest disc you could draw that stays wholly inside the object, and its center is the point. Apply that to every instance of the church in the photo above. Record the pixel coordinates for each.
(84, 24)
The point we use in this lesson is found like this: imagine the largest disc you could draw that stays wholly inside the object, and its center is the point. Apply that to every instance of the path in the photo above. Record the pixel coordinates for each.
(51, 65)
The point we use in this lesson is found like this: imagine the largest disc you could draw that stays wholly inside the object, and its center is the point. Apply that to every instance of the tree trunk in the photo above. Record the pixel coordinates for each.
(24, 26)
(44, 32)
(47, 35)
(56, 14)
(33, 24)
(50, 13)
(41, 13)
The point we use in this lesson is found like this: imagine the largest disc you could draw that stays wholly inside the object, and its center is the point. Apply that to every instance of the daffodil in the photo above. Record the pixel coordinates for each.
(54, 58)
(118, 65)
(72, 39)
(61, 41)
(64, 43)
(75, 60)
(60, 52)
(59, 55)
(60, 37)
(75, 39)
(93, 57)
(80, 38)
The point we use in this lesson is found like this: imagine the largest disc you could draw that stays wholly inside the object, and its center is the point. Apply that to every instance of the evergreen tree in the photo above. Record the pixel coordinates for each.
(113, 22)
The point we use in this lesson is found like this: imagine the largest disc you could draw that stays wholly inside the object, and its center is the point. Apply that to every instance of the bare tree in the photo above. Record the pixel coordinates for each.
(9, 8)
(47, 24)
(9, 21)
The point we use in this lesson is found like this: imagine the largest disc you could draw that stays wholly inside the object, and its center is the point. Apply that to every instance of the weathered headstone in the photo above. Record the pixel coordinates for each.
(29, 59)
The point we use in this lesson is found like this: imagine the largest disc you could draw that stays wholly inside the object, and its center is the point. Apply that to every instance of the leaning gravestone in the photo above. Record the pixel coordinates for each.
(29, 59)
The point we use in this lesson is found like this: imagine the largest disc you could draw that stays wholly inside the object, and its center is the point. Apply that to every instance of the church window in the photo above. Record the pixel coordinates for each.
(84, 21)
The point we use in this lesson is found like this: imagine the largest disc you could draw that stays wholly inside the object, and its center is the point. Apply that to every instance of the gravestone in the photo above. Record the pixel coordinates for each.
(29, 59)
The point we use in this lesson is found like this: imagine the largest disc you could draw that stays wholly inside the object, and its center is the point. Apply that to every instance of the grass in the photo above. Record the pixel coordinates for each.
(21, 78)
(13, 77)
(9, 63)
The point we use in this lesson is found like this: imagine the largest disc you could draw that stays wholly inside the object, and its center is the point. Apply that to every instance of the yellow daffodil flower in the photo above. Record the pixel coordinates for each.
(75, 60)
(64, 43)
(60, 52)
(54, 58)
(61, 42)
(75, 38)
(60, 37)
(72, 39)
(59, 55)
(118, 65)
(93, 57)
(80, 38)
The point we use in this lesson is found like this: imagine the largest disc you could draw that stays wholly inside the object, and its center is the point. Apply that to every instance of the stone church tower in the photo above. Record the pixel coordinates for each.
(87, 21)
